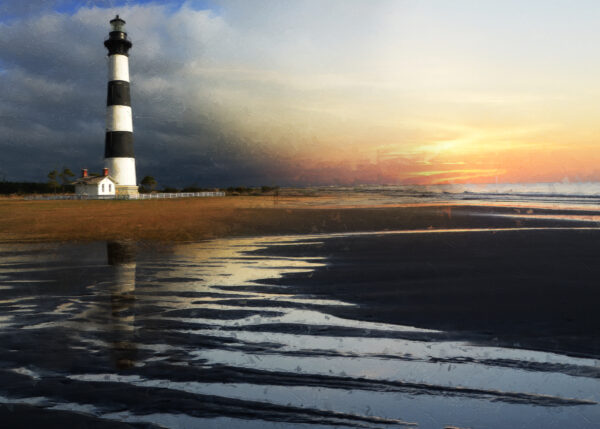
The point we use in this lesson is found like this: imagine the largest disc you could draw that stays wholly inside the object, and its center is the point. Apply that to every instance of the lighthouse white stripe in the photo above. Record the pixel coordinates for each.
(122, 170)
(118, 118)
(118, 67)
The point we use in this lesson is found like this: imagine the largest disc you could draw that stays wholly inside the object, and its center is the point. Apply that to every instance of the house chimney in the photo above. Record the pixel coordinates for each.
(84, 172)
(105, 171)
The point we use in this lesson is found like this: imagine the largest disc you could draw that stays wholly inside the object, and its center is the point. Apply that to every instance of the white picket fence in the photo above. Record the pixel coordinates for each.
(156, 196)
(179, 195)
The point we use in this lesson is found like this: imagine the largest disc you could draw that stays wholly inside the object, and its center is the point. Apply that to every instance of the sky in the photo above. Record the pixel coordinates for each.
(309, 92)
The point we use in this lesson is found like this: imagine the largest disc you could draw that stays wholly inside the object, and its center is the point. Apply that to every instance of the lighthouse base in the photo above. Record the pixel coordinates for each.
(125, 191)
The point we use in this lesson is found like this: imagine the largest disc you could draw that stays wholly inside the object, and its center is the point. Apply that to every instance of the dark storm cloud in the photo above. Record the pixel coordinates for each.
(50, 113)
(53, 85)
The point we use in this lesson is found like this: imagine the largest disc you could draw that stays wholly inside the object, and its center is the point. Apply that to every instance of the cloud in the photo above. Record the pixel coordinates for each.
(217, 98)
(54, 88)
(269, 91)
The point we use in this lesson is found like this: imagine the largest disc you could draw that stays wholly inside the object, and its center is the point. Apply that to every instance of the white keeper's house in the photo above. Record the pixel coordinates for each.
(95, 186)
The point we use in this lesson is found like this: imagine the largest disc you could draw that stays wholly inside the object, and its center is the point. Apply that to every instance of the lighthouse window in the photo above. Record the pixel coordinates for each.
(109, 187)
(117, 24)
(103, 187)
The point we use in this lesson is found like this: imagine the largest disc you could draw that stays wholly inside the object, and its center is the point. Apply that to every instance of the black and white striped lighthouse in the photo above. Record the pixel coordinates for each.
(118, 147)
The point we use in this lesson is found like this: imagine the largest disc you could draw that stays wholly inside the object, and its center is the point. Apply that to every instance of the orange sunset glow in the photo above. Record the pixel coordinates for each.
(421, 93)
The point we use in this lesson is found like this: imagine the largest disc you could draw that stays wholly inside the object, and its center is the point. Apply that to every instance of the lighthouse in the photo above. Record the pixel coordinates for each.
(118, 146)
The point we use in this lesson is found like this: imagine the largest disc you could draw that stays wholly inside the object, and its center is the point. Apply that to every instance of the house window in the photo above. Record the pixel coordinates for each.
(109, 187)
(103, 187)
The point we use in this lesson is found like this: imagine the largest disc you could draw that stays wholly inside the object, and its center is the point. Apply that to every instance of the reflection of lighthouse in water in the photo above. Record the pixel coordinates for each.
(121, 257)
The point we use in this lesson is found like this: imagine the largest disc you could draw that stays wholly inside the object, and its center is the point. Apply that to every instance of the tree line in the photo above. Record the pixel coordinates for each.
(59, 181)
(149, 184)
(65, 176)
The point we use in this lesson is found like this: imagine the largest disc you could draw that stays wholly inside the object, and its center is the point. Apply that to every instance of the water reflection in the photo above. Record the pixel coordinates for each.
(195, 335)
(121, 257)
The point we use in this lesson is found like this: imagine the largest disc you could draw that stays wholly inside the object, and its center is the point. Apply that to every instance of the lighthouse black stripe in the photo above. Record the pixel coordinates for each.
(118, 144)
(118, 93)
(117, 43)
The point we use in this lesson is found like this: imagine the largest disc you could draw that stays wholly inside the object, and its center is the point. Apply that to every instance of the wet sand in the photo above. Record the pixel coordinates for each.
(531, 288)
(262, 332)
(535, 289)
(308, 329)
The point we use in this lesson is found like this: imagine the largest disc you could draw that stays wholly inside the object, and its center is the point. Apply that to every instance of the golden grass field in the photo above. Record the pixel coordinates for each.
(191, 219)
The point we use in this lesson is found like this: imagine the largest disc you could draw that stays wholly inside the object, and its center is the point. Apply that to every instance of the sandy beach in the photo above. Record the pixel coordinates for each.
(509, 275)
(256, 312)
(193, 219)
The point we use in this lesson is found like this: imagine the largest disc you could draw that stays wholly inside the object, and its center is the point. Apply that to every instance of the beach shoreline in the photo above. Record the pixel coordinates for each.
(413, 309)
(491, 273)
(194, 219)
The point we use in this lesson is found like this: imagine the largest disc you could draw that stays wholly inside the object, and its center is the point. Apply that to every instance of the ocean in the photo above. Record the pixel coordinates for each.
(552, 194)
